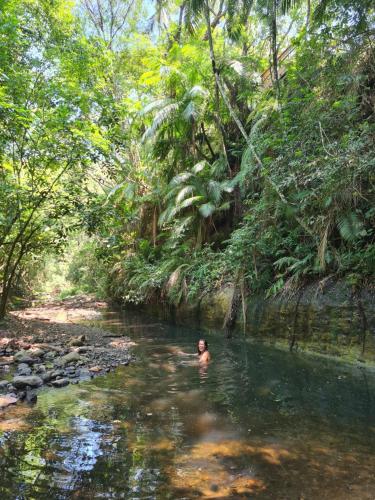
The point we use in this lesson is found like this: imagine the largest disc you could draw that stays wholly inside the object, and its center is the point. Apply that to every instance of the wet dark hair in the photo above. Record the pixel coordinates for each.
(205, 346)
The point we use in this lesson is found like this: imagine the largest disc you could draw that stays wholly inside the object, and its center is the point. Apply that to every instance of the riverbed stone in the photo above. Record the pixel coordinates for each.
(95, 369)
(40, 368)
(36, 352)
(6, 360)
(46, 377)
(50, 355)
(71, 357)
(31, 397)
(23, 357)
(55, 348)
(23, 381)
(7, 400)
(62, 382)
(77, 341)
(23, 369)
(4, 385)
(84, 349)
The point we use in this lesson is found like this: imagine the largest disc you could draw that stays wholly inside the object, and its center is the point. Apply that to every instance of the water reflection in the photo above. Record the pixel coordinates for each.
(255, 423)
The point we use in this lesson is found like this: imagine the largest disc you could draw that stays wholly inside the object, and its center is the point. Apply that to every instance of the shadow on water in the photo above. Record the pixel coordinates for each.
(257, 423)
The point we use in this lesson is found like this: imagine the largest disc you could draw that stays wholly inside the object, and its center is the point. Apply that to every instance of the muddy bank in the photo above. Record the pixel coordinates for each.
(45, 346)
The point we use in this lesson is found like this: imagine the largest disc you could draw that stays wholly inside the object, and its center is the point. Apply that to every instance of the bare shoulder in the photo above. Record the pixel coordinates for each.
(206, 356)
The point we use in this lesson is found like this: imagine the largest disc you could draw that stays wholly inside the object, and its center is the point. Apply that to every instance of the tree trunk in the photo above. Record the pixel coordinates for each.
(274, 51)
(154, 226)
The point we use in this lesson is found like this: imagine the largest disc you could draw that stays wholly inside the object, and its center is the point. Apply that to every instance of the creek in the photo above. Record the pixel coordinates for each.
(256, 423)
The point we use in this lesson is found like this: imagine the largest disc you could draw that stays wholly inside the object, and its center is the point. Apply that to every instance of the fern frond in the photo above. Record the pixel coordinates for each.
(350, 226)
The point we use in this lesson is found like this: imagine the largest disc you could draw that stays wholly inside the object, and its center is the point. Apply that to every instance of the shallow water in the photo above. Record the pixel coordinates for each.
(257, 423)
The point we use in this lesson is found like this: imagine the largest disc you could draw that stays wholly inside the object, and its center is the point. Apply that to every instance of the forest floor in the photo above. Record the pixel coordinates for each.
(47, 345)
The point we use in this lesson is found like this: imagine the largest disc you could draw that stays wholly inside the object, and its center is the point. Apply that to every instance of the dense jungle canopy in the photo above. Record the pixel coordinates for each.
(187, 144)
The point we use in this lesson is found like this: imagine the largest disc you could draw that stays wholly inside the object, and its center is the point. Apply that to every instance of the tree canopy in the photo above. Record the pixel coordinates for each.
(197, 142)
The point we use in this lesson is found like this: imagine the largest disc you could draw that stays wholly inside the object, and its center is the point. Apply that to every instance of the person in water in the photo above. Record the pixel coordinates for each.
(203, 353)
(202, 350)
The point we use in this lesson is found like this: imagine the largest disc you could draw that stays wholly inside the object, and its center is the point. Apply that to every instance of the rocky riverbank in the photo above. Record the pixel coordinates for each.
(46, 346)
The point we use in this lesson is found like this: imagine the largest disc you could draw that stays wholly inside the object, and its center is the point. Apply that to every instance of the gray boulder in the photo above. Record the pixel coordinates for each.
(47, 376)
(62, 382)
(31, 396)
(24, 381)
(23, 369)
(24, 357)
(71, 357)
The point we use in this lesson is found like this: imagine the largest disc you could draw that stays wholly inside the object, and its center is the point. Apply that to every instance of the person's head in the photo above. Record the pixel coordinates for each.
(202, 346)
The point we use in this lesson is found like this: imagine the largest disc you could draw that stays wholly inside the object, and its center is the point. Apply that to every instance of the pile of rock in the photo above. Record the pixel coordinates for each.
(29, 366)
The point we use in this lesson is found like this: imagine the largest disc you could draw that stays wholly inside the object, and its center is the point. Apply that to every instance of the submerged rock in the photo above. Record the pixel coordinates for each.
(23, 381)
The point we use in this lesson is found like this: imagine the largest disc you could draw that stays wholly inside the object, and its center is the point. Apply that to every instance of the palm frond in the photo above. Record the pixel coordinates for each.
(215, 191)
(197, 91)
(189, 202)
(157, 104)
(182, 224)
(180, 178)
(190, 113)
(183, 193)
(198, 167)
(193, 14)
(165, 216)
(207, 209)
(238, 67)
(161, 117)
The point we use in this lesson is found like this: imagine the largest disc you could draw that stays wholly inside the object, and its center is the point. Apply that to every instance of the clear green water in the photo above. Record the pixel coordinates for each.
(258, 423)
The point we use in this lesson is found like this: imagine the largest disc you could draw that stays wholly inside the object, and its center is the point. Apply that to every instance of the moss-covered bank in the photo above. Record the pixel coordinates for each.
(330, 319)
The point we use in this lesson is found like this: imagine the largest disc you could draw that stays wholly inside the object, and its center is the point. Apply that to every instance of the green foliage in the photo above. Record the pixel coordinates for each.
(237, 140)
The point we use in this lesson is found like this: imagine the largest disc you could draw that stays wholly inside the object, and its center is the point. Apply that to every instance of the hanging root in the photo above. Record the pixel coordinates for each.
(293, 338)
(232, 311)
(364, 323)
